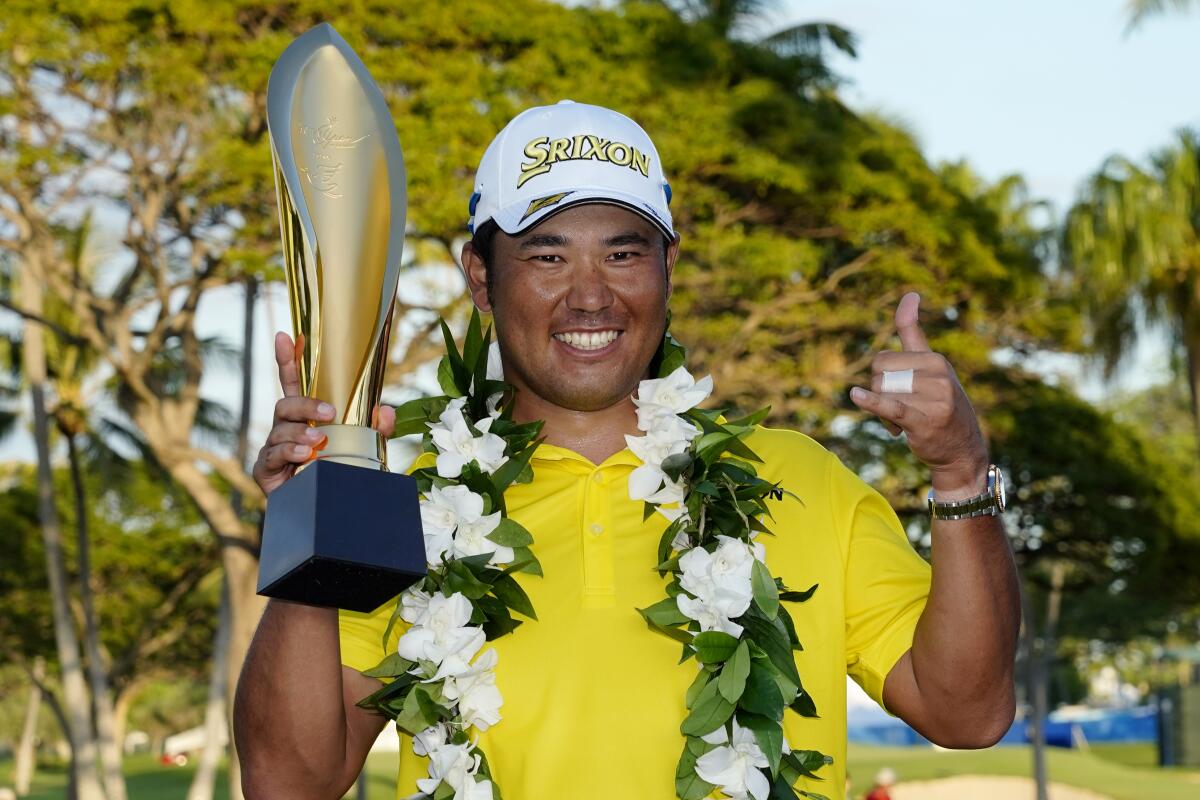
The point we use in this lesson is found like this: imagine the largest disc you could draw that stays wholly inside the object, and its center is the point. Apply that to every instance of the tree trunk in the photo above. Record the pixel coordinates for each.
(26, 756)
(1191, 343)
(1041, 651)
(215, 720)
(75, 696)
(102, 698)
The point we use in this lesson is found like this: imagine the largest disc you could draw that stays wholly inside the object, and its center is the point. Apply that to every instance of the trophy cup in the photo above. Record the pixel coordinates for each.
(343, 532)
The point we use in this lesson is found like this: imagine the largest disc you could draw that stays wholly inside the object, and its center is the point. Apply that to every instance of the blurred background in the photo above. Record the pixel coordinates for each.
(1032, 168)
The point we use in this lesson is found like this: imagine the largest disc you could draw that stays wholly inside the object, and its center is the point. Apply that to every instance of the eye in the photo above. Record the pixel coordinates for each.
(548, 258)
(624, 255)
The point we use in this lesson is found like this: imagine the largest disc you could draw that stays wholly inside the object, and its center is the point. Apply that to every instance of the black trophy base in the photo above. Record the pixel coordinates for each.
(341, 537)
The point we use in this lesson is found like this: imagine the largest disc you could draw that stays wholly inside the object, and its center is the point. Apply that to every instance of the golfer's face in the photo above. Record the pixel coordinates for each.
(580, 304)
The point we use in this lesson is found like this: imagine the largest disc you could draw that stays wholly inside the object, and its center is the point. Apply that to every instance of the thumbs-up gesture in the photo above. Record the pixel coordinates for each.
(916, 391)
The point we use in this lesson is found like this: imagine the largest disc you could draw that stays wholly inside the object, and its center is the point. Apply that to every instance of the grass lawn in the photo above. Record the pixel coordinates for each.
(1124, 772)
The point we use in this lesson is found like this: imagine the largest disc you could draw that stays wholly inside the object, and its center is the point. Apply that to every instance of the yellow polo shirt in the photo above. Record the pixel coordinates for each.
(593, 699)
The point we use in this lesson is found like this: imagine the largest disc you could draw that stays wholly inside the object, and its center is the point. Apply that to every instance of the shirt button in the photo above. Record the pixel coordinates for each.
(596, 528)
(597, 477)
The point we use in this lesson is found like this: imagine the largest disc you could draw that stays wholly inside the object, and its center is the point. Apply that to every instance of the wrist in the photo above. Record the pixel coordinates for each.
(960, 481)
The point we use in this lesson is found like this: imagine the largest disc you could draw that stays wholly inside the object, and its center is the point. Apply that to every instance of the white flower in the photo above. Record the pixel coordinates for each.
(452, 520)
(722, 578)
(736, 767)
(475, 690)
(710, 617)
(652, 449)
(452, 763)
(682, 541)
(443, 633)
(669, 499)
(474, 790)
(414, 605)
(432, 738)
(677, 393)
(495, 367)
(457, 446)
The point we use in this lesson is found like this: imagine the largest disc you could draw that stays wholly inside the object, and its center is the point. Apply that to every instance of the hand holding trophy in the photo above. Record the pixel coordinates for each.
(344, 531)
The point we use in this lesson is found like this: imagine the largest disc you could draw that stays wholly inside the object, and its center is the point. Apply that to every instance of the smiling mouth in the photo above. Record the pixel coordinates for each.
(588, 340)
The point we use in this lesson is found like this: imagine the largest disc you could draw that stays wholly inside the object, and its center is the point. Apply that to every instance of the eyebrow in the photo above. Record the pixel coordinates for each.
(631, 237)
(542, 240)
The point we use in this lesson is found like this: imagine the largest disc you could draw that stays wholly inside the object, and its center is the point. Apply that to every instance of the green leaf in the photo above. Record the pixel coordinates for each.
(769, 734)
(511, 470)
(499, 622)
(781, 789)
(411, 417)
(689, 785)
(665, 612)
(444, 791)
(734, 673)
(510, 533)
(766, 593)
(458, 370)
(762, 695)
(750, 420)
(676, 465)
(507, 589)
(772, 637)
(419, 711)
(529, 562)
(460, 578)
(714, 646)
(710, 712)
(798, 597)
(702, 679)
(445, 375)
(803, 704)
(391, 667)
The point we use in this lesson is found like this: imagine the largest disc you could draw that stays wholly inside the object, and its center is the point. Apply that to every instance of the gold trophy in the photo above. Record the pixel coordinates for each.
(343, 532)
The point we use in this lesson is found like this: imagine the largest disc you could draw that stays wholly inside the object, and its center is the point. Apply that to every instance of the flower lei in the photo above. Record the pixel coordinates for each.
(722, 604)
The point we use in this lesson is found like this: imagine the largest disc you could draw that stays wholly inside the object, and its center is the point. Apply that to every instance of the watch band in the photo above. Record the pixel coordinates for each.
(991, 503)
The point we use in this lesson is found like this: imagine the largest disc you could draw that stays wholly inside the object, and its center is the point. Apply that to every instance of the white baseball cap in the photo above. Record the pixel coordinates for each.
(550, 158)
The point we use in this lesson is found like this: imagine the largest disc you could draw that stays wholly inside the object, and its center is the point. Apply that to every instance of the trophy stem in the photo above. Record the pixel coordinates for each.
(355, 445)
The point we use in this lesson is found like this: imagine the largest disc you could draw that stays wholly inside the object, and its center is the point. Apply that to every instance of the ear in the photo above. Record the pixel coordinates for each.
(476, 274)
(671, 254)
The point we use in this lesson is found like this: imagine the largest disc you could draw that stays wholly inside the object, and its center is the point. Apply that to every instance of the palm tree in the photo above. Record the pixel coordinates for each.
(1133, 243)
(1139, 10)
(732, 19)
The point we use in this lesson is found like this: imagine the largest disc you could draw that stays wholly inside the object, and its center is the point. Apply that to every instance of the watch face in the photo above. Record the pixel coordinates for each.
(1001, 492)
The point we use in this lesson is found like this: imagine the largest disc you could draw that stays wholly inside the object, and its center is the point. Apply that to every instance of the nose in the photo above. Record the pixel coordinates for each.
(589, 291)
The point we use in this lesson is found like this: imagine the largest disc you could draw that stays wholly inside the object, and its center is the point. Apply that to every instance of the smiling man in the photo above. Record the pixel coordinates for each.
(572, 252)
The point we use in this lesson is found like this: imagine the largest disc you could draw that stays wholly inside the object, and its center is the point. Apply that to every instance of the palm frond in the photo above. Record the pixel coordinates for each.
(811, 38)
(1141, 10)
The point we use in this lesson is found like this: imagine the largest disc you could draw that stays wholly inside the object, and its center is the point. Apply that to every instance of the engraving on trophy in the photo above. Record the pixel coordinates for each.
(322, 176)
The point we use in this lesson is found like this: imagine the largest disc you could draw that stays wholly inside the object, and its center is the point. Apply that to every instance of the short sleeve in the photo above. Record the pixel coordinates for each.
(361, 636)
(887, 582)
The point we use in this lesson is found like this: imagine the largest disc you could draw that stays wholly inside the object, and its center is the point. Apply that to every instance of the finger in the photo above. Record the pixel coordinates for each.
(295, 433)
(894, 360)
(303, 409)
(280, 456)
(912, 339)
(886, 407)
(383, 419)
(287, 358)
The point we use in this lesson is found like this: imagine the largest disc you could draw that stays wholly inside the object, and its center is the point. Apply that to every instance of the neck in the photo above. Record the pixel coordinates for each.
(595, 435)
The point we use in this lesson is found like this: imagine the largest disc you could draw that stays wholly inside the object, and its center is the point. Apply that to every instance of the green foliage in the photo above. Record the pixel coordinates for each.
(154, 573)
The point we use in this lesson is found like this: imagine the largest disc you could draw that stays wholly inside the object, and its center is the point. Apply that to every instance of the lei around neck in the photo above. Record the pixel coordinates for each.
(722, 604)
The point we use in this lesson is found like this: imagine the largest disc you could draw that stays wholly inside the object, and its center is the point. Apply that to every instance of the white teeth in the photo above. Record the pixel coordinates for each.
(590, 340)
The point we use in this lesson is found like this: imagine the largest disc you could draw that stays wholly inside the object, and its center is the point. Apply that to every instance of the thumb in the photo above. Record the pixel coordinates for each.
(912, 339)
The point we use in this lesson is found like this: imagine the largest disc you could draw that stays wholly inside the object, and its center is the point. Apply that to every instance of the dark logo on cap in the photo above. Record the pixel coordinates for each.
(546, 152)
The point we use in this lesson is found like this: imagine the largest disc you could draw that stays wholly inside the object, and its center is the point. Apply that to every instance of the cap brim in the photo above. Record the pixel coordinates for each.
(517, 218)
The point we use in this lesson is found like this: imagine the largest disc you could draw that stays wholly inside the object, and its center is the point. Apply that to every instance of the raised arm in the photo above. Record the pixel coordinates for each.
(955, 686)
(298, 731)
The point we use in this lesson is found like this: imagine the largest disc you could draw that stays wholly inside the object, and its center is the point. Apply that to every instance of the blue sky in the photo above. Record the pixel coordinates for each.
(1047, 88)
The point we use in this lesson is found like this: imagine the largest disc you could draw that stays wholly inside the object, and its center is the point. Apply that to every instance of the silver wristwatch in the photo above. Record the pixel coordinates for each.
(991, 503)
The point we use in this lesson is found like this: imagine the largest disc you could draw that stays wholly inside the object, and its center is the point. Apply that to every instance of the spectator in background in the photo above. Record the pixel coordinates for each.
(883, 781)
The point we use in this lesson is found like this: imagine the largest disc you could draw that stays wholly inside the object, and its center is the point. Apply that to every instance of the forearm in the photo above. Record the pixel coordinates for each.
(956, 685)
(290, 716)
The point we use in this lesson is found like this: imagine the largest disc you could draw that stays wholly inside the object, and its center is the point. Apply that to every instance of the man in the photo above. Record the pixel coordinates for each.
(573, 252)
(885, 779)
